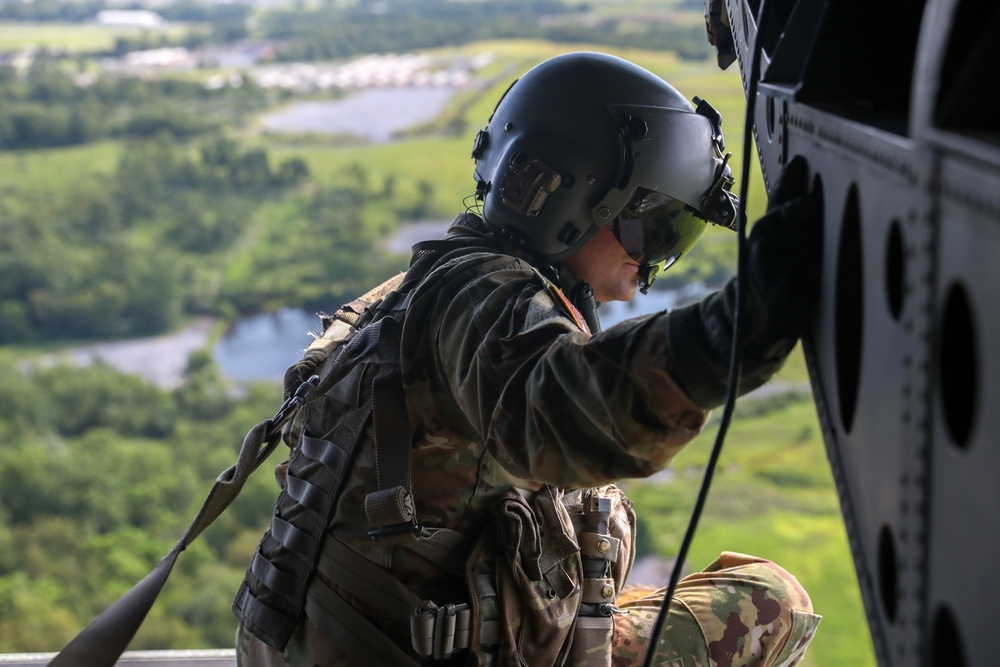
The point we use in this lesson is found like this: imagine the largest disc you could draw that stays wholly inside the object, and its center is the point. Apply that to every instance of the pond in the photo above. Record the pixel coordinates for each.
(375, 114)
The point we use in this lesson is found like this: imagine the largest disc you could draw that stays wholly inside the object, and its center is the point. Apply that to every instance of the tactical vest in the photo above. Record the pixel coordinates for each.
(357, 361)
(538, 597)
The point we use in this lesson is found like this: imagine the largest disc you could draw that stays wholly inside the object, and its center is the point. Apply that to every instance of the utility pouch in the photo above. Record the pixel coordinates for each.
(524, 582)
(543, 577)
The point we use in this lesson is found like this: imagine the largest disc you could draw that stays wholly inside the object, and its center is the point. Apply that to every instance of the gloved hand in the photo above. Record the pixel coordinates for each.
(783, 275)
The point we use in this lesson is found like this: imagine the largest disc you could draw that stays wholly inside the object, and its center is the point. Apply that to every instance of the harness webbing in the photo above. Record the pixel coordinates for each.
(391, 510)
(351, 631)
(366, 580)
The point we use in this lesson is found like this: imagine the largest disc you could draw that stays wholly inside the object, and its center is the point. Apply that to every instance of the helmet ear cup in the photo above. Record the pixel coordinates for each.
(526, 183)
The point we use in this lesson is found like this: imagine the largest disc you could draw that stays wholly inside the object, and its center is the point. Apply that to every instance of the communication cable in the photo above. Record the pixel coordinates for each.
(732, 391)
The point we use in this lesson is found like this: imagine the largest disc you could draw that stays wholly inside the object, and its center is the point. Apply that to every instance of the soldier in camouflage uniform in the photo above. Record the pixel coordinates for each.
(593, 174)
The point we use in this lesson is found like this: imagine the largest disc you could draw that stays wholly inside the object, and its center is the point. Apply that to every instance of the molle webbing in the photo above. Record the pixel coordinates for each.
(273, 594)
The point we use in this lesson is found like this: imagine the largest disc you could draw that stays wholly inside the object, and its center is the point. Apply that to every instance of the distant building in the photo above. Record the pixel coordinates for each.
(135, 18)
(174, 57)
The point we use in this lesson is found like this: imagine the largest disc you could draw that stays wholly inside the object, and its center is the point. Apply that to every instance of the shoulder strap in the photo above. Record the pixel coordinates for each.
(101, 643)
(391, 510)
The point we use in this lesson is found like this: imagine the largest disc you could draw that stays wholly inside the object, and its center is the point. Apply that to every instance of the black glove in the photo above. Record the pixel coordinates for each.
(783, 274)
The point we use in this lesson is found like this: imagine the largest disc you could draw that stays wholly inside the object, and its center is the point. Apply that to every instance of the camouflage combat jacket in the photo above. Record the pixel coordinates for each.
(506, 387)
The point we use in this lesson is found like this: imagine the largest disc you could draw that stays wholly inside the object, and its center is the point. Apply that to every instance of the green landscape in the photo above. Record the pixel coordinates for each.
(135, 200)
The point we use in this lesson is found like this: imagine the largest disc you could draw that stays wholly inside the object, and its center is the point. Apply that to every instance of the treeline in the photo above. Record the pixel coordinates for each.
(687, 41)
(46, 107)
(102, 473)
(179, 230)
(336, 30)
(50, 10)
(332, 31)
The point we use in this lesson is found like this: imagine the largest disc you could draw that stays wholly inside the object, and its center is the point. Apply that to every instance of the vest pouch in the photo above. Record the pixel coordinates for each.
(525, 583)
(271, 598)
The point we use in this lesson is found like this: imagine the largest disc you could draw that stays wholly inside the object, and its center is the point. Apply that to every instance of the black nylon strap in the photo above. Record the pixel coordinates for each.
(291, 537)
(306, 494)
(259, 614)
(392, 424)
(392, 503)
(271, 576)
(324, 451)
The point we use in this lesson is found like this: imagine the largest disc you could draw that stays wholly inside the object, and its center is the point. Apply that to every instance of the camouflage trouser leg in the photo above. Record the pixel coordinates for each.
(740, 611)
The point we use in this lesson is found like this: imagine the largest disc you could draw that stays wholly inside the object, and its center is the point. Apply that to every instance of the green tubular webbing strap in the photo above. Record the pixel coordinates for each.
(101, 643)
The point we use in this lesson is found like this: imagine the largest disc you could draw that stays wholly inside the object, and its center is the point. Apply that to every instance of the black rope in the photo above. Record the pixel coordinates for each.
(732, 391)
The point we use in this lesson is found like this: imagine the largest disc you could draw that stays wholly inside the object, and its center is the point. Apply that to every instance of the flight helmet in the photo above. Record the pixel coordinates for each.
(584, 140)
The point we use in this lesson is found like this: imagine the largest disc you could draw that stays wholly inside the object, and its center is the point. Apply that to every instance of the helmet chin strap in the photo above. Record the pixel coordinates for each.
(647, 274)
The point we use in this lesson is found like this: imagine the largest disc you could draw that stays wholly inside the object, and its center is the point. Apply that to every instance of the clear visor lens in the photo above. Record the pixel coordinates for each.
(658, 229)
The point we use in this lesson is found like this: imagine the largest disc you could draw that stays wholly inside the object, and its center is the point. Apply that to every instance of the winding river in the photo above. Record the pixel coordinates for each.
(262, 346)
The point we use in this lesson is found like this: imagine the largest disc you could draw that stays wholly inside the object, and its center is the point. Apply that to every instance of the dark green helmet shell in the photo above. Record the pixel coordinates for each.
(575, 139)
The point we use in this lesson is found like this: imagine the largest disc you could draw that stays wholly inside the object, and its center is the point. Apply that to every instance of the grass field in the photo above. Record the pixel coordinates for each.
(53, 169)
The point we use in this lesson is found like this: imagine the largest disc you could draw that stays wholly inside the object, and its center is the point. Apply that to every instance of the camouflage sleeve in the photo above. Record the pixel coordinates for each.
(550, 401)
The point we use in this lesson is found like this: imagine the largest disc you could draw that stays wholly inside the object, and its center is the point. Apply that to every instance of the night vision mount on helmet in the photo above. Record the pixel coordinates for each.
(584, 140)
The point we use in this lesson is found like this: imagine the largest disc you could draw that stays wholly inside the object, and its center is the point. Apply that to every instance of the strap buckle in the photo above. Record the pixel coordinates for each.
(446, 630)
(399, 529)
(294, 402)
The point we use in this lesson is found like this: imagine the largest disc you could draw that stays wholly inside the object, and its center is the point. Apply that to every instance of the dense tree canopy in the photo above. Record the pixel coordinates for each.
(116, 256)
(46, 107)
(102, 473)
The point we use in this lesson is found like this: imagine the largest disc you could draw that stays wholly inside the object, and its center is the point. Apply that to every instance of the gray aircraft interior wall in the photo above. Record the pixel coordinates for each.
(894, 109)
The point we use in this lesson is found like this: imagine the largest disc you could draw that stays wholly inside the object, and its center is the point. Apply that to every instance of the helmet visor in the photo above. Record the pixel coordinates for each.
(658, 229)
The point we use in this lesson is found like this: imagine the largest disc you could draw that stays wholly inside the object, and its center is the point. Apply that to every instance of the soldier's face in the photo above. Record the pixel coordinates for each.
(604, 264)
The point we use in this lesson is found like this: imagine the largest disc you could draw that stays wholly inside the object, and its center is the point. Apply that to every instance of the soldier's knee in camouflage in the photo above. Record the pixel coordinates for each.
(753, 612)
(760, 573)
